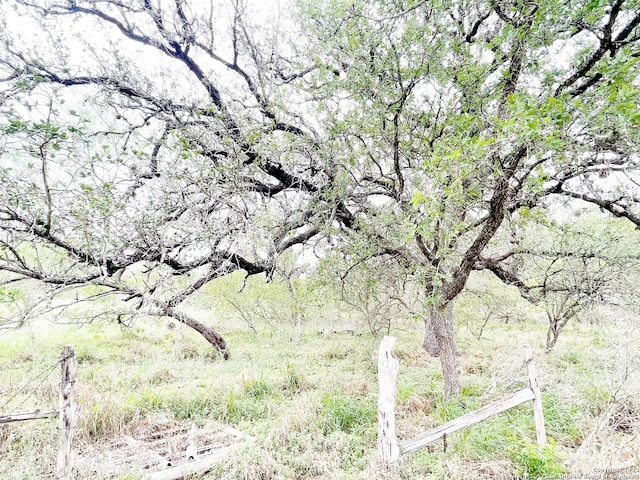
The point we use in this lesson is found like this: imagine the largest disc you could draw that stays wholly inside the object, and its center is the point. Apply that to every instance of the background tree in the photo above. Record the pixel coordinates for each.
(451, 123)
(573, 267)
(389, 299)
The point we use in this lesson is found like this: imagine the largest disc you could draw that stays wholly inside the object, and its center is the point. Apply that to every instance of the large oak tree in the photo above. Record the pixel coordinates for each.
(148, 148)
(454, 124)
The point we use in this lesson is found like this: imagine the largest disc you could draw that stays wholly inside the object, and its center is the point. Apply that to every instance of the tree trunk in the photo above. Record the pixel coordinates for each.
(440, 341)
(213, 337)
(552, 336)
(555, 328)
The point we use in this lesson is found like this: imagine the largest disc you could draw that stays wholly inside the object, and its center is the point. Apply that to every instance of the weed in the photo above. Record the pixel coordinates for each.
(149, 399)
(187, 351)
(415, 404)
(404, 392)
(336, 353)
(447, 411)
(294, 381)
(241, 407)
(25, 357)
(534, 462)
(84, 356)
(560, 419)
(256, 388)
(571, 358)
(424, 464)
(347, 414)
(104, 418)
(192, 408)
(473, 389)
(161, 376)
(354, 455)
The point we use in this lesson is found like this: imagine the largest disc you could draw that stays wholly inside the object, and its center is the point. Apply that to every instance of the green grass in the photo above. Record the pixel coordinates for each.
(311, 401)
(348, 414)
(533, 462)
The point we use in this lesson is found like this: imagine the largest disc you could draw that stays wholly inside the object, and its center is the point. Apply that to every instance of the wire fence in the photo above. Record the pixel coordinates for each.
(66, 410)
(30, 389)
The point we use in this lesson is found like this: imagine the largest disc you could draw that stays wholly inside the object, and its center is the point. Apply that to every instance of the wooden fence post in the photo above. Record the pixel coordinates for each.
(67, 413)
(388, 450)
(538, 414)
(192, 448)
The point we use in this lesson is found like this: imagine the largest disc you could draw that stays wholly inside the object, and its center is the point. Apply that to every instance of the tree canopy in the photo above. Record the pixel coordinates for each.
(151, 146)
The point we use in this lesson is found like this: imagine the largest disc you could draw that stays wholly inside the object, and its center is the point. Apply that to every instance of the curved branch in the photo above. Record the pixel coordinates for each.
(611, 206)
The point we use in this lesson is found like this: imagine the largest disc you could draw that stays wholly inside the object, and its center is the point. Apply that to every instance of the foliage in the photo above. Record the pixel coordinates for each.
(574, 266)
(560, 419)
(453, 123)
(418, 136)
(347, 414)
(382, 300)
(279, 303)
(11, 298)
(534, 462)
(140, 181)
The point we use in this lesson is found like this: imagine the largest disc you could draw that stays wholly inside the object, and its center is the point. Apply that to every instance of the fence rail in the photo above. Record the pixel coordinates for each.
(21, 417)
(390, 451)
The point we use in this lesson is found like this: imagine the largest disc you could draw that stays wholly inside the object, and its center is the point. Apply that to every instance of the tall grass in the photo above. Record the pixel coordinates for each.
(311, 402)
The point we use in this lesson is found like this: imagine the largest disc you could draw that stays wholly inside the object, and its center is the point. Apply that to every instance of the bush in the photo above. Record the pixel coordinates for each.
(533, 462)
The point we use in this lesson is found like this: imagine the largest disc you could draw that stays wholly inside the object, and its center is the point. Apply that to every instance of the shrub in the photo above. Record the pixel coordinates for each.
(533, 462)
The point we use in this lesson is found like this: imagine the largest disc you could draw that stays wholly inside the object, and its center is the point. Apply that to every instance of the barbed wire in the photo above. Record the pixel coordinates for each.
(43, 375)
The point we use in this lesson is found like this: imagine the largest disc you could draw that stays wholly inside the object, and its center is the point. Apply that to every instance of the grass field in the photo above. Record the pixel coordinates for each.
(308, 395)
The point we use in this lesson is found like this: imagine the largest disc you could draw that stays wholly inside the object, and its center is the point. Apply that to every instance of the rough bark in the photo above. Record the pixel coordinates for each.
(440, 341)
(213, 337)
(555, 328)
(430, 343)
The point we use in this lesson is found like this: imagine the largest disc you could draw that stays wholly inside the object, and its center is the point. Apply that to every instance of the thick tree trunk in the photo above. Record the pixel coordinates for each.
(440, 341)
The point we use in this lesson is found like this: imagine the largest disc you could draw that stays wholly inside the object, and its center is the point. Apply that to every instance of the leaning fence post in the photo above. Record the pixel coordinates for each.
(538, 414)
(388, 450)
(67, 413)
